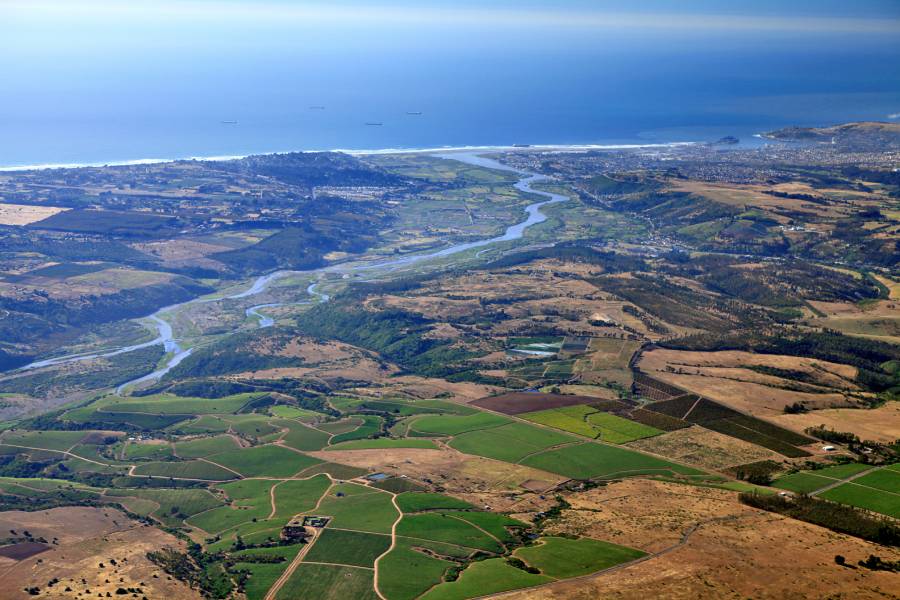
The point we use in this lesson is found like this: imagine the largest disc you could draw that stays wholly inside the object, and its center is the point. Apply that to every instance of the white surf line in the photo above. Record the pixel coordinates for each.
(351, 151)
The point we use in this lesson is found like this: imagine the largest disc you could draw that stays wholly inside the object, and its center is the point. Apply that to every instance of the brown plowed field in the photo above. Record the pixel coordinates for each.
(522, 402)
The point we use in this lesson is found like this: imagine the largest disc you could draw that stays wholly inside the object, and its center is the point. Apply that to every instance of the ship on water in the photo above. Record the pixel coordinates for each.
(414, 113)
(228, 122)
(373, 124)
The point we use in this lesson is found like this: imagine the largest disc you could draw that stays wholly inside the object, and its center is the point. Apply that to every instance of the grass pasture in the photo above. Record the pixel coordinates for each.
(883, 502)
(144, 451)
(49, 440)
(264, 461)
(285, 411)
(497, 525)
(618, 430)
(370, 426)
(336, 470)
(326, 582)
(301, 437)
(485, 577)
(249, 500)
(448, 528)
(394, 579)
(188, 469)
(359, 508)
(511, 442)
(590, 460)
(263, 575)
(299, 495)
(569, 418)
(203, 447)
(379, 443)
(169, 404)
(455, 425)
(885, 480)
(589, 422)
(562, 558)
(411, 502)
(171, 506)
(802, 483)
(342, 547)
(342, 426)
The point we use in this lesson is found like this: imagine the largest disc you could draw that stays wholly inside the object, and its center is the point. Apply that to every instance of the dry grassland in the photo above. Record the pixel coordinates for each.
(876, 320)
(87, 538)
(723, 376)
(419, 388)
(746, 554)
(704, 448)
(492, 482)
(880, 424)
(20, 214)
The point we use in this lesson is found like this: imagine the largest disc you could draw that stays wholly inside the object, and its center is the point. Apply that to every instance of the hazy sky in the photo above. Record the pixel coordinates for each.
(104, 72)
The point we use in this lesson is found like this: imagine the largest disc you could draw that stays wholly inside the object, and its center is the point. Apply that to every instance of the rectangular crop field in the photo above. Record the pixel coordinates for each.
(299, 495)
(442, 527)
(362, 509)
(189, 469)
(886, 503)
(510, 443)
(617, 430)
(326, 582)
(348, 547)
(163, 404)
(383, 442)
(454, 425)
(589, 460)
(882, 479)
(202, 447)
(264, 461)
(516, 403)
(411, 502)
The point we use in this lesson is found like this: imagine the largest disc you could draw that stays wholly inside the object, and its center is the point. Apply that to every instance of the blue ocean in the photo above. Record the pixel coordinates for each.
(107, 82)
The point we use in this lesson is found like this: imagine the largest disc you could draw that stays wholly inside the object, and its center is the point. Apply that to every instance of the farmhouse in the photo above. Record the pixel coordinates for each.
(295, 530)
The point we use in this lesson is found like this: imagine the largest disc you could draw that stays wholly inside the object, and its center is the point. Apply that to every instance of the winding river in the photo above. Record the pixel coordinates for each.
(176, 353)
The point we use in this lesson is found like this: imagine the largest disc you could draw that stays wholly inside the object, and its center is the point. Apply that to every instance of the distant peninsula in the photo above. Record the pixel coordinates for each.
(864, 136)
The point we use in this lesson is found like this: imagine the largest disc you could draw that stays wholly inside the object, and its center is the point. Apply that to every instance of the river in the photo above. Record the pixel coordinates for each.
(176, 353)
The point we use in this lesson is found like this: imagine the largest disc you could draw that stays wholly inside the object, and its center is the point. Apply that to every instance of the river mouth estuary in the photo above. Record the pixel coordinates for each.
(371, 268)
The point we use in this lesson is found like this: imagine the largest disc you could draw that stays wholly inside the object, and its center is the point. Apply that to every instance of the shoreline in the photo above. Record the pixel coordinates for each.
(365, 152)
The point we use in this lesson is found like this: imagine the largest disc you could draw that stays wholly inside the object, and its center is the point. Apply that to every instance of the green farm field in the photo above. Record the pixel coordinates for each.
(485, 577)
(455, 425)
(379, 443)
(510, 442)
(343, 547)
(296, 496)
(411, 502)
(448, 528)
(589, 422)
(264, 461)
(189, 469)
(203, 447)
(589, 460)
(326, 582)
(359, 508)
(886, 503)
(562, 558)
(404, 558)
